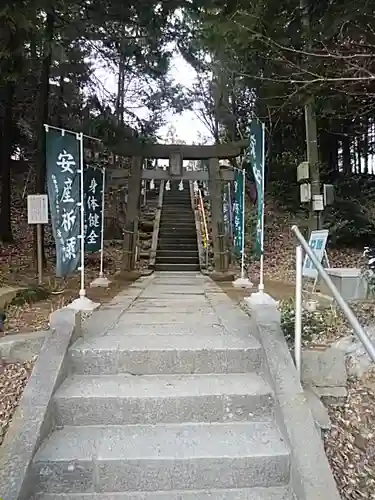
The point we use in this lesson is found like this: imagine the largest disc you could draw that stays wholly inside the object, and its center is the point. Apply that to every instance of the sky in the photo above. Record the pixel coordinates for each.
(188, 126)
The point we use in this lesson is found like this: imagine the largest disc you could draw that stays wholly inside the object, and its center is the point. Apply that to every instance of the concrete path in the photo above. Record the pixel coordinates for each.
(167, 399)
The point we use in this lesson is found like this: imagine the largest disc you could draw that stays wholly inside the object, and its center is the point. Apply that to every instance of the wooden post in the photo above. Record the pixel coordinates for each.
(217, 219)
(132, 214)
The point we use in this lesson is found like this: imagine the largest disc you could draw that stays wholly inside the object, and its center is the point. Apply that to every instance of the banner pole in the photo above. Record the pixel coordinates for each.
(243, 281)
(261, 277)
(261, 298)
(243, 226)
(102, 235)
(101, 281)
(83, 303)
(82, 292)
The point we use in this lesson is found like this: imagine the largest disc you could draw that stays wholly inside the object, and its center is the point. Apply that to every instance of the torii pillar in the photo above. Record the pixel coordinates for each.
(132, 214)
(217, 216)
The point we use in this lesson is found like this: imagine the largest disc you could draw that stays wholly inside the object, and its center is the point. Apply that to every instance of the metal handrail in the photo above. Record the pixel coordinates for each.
(358, 330)
(202, 209)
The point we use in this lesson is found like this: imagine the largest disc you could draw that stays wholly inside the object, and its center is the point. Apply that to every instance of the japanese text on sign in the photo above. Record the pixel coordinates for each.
(67, 165)
(63, 182)
(317, 242)
(93, 182)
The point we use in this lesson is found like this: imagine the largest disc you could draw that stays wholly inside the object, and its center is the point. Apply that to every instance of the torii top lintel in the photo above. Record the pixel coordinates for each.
(187, 152)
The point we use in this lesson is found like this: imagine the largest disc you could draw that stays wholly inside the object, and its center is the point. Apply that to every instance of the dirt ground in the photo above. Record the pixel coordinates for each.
(277, 289)
(34, 316)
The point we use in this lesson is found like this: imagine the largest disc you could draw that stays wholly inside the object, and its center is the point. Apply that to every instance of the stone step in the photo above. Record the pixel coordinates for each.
(177, 259)
(177, 208)
(176, 194)
(188, 229)
(164, 354)
(177, 202)
(276, 493)
(173, 211)
(171, 235)
(179, 218)
(174, 215)
(179, 225)
(188, 244)
(177, 222)
(177, 252)
(153, 399)
(177, 267)
(162, 457)
(166, 249)
(184, 208)
(163, 250)
(176, 233)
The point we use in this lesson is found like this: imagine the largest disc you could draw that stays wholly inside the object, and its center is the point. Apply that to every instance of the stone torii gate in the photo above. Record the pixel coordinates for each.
(176, 154)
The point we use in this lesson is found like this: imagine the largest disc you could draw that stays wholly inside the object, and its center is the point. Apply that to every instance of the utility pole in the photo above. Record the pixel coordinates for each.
(311, 129)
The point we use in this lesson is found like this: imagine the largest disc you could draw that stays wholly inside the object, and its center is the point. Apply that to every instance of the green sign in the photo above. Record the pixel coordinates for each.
(93, 196)
(256, 159)
(237, 210)
(63, 181)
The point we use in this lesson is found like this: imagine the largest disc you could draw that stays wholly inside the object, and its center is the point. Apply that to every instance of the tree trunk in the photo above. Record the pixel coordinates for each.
(61, 106)
(40, 178)
(5, 158)
(333, 156)
(365, 146)
(359, 155)
(346, 156)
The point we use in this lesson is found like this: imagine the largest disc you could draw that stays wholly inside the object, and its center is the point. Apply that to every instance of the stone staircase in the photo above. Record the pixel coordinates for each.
(177, 246)
(165, 404)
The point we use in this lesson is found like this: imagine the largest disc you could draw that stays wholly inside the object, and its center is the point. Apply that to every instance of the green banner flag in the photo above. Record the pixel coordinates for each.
(63, 184)
(93, 196)
(237, 210)
(256, 159)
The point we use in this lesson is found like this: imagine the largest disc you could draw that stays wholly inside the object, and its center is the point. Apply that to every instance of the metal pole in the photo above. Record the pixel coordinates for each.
(39, 253)
(261, 279)
(298, 311)
(368, 345)
(82, 292)
(102, 234)
(243, 225)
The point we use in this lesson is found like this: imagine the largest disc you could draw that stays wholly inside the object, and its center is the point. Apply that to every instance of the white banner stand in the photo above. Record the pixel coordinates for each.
(243, 282)
(261, 297)
(101, 281)
(83, 303)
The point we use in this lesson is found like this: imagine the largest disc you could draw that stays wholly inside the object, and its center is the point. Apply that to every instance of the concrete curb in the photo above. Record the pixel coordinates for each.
(34, 419)
(311, 476)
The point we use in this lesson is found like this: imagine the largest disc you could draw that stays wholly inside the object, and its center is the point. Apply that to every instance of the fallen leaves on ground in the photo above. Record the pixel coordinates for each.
(350, 444)
(280, 244)
(13, 379)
